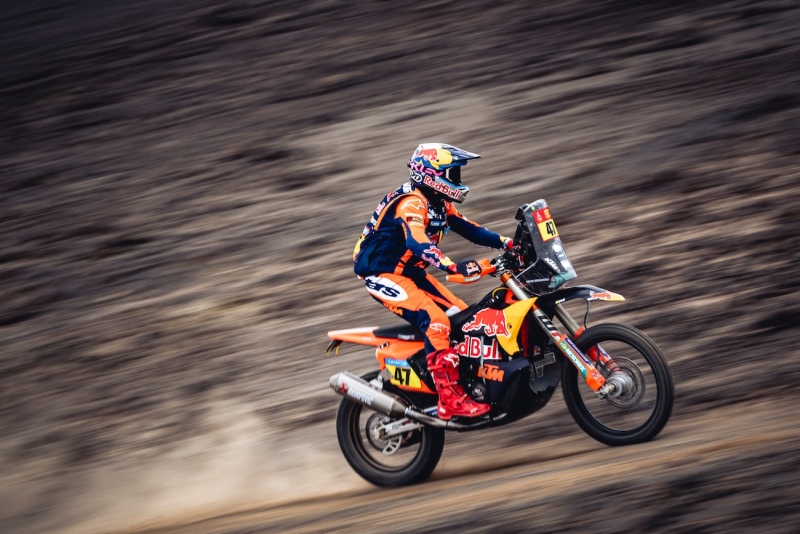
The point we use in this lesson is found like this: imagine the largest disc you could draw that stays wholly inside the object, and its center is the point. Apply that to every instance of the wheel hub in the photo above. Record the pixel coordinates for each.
(630, 381)
(376, 435)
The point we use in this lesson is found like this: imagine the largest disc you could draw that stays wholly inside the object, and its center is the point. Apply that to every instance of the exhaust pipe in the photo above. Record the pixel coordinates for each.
(359, 390)
(349, 385)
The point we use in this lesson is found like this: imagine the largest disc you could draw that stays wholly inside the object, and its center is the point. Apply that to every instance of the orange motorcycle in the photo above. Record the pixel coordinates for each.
(615, 380)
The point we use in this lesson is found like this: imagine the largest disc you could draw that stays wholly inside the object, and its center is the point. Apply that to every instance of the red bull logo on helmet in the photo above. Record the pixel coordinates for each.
(435, 154)
(491, 321)
(430, 154)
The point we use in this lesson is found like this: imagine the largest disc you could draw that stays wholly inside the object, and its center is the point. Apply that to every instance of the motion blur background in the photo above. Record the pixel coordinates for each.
(182, 183)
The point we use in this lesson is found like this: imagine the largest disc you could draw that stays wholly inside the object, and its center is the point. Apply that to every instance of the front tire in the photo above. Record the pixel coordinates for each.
(638, 415)
(400, 460)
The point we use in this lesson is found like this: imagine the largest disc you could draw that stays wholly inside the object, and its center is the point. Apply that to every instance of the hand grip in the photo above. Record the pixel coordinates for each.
(486, 269)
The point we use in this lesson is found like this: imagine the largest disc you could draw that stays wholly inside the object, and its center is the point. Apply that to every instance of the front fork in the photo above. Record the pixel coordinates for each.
(596, 353)
(581, 362)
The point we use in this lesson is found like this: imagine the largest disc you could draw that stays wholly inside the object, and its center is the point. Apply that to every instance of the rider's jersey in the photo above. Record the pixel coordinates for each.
(403, 234)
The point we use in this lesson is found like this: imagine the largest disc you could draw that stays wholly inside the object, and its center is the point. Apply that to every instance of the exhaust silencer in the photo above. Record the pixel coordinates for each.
(352, 387)
(359, 390)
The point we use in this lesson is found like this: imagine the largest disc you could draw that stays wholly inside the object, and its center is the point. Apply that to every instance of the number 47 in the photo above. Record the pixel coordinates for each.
(398, 375)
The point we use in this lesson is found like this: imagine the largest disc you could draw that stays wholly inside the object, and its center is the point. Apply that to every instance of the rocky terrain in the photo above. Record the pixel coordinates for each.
(181, 185)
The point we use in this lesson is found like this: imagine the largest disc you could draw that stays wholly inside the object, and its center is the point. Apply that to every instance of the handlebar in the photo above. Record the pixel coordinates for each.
(486, 266)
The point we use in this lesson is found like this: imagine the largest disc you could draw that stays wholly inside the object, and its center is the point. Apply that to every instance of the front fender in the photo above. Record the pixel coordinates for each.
(587, 293)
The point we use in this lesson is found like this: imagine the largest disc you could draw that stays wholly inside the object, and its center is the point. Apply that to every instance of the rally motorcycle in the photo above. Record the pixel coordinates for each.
(615, 380)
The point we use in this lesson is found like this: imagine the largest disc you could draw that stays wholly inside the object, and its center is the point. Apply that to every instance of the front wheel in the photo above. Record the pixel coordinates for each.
(641, 412)
(395, 460)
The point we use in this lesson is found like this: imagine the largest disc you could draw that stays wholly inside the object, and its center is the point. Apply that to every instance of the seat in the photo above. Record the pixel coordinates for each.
(404, 332)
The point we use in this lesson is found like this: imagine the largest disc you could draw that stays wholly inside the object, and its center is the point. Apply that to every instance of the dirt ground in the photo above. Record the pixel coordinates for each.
(181, 186)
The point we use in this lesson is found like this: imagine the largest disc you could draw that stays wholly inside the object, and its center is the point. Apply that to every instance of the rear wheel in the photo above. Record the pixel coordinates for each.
(644, 407)
(396, 460)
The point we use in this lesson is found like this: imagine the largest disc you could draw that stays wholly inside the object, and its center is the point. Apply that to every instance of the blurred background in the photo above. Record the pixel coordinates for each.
(182, 184)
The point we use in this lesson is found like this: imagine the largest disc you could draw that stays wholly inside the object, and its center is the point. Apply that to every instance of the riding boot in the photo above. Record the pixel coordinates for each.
(453, 401)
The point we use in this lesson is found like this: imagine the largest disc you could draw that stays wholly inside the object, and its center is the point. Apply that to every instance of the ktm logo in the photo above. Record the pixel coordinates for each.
(491, 372)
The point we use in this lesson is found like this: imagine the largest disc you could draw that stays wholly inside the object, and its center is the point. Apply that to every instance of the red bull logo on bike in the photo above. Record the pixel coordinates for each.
(473, 347)
(491, 321)
(604, 295)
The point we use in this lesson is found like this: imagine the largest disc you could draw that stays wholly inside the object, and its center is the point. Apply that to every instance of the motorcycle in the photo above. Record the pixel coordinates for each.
(615, 381)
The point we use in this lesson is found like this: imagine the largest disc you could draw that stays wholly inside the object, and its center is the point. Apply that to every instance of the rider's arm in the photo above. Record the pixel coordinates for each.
(475, 232)
(412, 213)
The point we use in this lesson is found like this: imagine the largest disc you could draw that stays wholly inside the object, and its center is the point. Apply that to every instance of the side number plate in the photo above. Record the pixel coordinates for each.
(403, 374)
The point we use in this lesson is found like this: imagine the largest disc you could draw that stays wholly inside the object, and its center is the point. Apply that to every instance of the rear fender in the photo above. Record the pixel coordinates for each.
(357, 336)
(391, 353)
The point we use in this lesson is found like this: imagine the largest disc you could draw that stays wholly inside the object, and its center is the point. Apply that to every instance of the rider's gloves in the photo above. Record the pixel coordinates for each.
(465, 267)
(508, 243)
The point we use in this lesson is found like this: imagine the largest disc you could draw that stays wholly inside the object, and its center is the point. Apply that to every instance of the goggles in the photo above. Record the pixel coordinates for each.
(453, 175)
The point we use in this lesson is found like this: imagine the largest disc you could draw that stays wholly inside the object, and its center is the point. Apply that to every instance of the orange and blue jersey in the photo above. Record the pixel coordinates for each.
(403, 235)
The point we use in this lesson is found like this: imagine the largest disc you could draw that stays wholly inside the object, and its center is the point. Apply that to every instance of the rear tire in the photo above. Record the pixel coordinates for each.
(636, 417)
(399, 461)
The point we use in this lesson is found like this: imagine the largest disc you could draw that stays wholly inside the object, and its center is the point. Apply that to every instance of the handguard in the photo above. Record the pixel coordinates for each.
(486, 269)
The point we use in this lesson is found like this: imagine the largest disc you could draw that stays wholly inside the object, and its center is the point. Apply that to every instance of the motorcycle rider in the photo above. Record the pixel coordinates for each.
(401, 240)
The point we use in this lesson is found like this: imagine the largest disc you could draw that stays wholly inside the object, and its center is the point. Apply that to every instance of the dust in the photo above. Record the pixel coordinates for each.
(239, 463)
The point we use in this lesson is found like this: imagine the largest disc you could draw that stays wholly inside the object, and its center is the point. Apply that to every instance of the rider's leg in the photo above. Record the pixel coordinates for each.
(439, 293)
(453, 401)
(425, 309)
(402, 296)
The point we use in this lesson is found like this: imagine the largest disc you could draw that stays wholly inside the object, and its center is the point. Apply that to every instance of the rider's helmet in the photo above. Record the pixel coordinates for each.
(437, 167)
